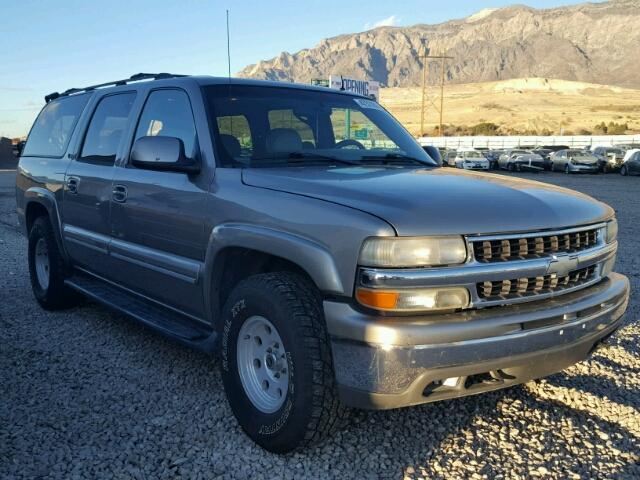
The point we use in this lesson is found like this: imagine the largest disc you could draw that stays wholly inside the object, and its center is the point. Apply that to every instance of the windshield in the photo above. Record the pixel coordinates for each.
(615, 151)
(477, 155)
(269, 126)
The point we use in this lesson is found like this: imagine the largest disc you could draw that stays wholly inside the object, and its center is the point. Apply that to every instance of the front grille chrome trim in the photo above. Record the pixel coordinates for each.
(538, 233)
(513, 247)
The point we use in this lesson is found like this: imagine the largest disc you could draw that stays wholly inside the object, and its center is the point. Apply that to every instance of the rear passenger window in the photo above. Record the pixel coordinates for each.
(54, 126)
(168, 113)
(107, 126)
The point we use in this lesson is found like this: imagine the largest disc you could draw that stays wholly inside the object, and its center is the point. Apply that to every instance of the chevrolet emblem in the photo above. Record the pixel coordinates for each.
(562, 264)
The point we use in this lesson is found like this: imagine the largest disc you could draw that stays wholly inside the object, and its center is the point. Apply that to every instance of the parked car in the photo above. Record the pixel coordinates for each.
(516, 160)
(575, 161)
(241, 218)
(554, 148)
(471, 160)
(493, 156)
(448, 160)
(631, 162)
(545, 153)
(609, 158)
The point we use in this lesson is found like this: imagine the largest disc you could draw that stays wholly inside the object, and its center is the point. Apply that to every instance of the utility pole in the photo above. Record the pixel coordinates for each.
(425, 68)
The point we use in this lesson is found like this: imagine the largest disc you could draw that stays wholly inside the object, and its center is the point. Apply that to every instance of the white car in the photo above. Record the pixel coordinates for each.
(471, 160)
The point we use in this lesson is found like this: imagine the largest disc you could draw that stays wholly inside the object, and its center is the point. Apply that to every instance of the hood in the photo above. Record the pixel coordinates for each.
(529, 157)
(439, 200)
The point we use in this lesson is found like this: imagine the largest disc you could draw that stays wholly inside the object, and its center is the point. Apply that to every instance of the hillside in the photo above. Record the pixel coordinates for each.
(533, 105)
(591, 42)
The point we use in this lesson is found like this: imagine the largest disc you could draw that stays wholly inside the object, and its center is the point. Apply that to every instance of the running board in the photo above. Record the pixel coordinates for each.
(169, 323)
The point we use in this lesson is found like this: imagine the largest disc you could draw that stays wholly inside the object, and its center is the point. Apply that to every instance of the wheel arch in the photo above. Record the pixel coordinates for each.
(237, 251)
(41, 202)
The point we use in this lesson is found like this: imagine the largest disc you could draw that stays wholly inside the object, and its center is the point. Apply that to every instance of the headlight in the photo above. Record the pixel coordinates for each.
(424, 299)
(612, 230)
(412, 251)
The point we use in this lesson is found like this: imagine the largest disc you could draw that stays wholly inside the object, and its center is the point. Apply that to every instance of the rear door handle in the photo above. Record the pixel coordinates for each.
(72, 185)
(119, 193)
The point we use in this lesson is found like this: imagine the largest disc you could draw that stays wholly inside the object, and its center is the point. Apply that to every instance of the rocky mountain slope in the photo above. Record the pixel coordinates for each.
(591, 42)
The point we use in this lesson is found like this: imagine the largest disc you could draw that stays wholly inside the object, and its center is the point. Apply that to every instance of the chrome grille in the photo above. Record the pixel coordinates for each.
(524, 287)
(521, 248)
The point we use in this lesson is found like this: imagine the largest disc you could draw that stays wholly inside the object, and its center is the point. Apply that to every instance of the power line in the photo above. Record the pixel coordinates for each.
(425, 68)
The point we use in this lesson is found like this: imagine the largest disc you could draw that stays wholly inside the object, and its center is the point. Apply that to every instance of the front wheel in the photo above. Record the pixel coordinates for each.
(623, 171)
(276, 362)
(567, 170)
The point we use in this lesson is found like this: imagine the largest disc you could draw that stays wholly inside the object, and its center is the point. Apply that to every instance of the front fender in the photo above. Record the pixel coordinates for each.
(312, 257)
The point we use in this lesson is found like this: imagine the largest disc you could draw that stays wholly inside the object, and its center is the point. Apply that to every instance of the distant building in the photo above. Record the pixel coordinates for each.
(7, 157)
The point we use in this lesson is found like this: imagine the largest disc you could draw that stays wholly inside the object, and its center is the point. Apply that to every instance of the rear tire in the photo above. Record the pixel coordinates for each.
(510, 167)
(308, 409)
(47, 269)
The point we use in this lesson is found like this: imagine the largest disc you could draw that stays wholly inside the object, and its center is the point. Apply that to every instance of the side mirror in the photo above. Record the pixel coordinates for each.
(162, 153)
(434, 153)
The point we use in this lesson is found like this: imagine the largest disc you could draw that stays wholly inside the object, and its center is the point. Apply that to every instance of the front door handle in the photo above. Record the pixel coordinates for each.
(119, 193)
(72, 185)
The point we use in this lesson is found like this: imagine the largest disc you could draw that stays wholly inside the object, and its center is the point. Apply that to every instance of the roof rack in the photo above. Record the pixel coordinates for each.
(133, 78)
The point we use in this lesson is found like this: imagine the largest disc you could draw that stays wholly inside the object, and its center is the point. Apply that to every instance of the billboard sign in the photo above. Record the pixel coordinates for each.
(368, 88)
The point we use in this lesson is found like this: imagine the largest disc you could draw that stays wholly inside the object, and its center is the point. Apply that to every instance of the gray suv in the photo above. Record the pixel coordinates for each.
(303, 236)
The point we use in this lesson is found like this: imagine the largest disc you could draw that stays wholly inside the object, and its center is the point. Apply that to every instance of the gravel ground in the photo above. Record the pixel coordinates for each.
(90, 394)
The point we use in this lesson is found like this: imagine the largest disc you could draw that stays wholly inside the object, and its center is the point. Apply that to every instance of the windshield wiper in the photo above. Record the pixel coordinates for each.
(309, 155)
(396, 158)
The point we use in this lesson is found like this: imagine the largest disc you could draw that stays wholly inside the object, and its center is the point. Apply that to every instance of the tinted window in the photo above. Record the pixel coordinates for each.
(305, 126)
(168, 113)
(236, 136)
(52, 129)
(107, 126)
(287, 119)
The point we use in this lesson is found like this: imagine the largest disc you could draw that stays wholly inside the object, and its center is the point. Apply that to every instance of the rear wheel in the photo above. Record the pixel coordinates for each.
(276, 362)
(47, 269)
(510, 167)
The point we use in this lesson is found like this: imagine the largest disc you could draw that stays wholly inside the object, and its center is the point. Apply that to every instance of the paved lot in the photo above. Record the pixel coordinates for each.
(89, 394)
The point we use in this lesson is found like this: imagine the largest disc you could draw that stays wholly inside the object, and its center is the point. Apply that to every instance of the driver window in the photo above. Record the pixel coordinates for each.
(349, 124)
(168, 113)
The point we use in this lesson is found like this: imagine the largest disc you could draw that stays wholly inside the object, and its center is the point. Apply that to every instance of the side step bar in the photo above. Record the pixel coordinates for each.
(171, 324)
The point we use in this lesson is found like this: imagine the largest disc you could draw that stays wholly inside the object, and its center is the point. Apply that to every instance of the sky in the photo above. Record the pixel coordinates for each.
(53, 45)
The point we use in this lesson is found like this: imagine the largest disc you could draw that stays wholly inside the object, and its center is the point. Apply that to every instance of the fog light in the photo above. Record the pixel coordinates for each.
(422, 300)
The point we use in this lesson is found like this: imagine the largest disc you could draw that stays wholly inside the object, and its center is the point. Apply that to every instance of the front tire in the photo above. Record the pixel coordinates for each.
(276, 362)
(623, 171)
(47, 269)
(567, 170)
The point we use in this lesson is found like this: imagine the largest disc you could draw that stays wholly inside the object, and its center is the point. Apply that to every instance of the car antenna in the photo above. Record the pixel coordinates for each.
(228, 50)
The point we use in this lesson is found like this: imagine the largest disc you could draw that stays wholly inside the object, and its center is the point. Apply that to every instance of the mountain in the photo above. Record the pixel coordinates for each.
(590, 42)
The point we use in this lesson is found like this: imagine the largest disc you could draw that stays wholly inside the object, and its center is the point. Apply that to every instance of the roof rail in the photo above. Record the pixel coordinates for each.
(133, 78)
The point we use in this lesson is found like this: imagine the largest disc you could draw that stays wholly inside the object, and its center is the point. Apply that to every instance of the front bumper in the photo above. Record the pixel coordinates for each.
(476, 166)
(583, 168)
(390, 362)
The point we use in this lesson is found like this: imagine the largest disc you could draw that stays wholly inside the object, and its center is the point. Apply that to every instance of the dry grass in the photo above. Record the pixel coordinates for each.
(525, 105)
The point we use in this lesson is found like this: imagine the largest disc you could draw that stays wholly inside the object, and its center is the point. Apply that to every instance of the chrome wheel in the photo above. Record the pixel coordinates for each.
(262, 364)
(42, 263)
